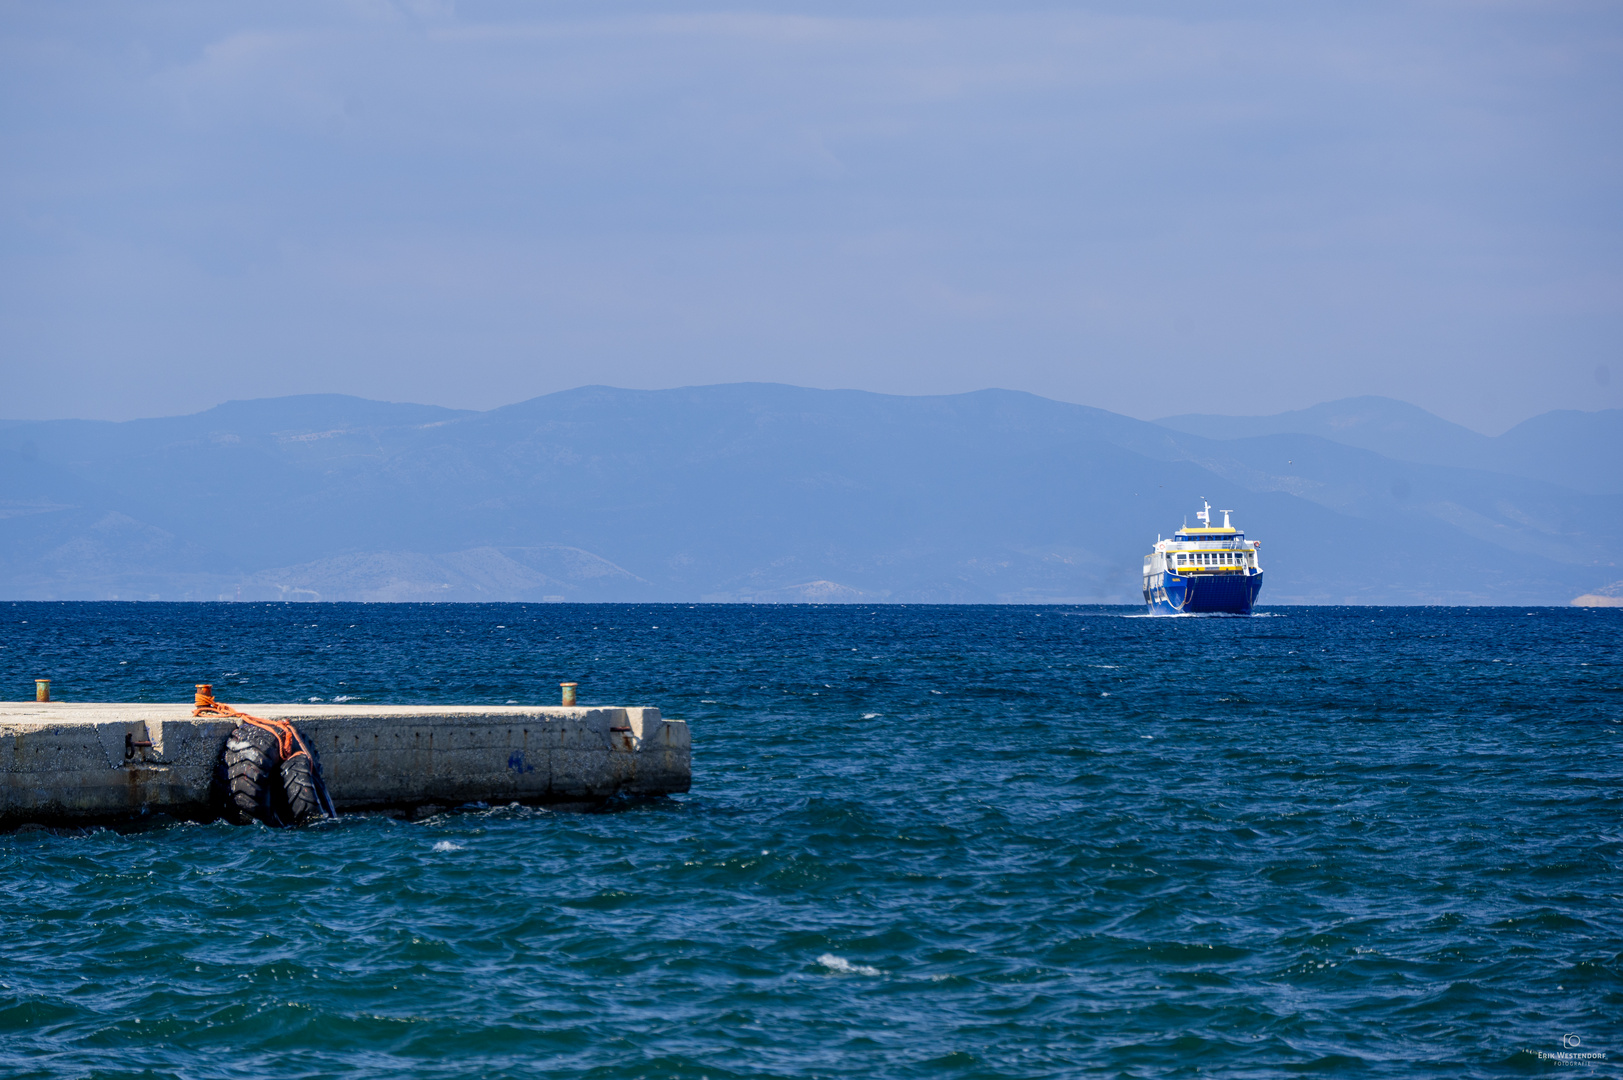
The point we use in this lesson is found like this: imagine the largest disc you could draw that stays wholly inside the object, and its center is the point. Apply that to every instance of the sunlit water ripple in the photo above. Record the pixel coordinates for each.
(921, 842)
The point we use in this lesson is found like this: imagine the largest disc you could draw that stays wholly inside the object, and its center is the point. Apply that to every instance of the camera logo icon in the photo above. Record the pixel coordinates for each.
(1571, 1042)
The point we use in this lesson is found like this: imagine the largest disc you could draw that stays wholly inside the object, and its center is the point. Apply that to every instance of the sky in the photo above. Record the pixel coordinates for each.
(1153, 208)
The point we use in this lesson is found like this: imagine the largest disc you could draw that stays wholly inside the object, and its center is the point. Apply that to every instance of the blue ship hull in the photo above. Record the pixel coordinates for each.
(1205, 594)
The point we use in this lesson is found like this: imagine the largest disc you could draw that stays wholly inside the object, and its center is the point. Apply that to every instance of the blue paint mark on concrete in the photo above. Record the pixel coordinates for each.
(515, 761)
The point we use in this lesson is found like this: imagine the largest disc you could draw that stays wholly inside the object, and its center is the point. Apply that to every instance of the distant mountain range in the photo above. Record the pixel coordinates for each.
(1567, 448)
(766, 493)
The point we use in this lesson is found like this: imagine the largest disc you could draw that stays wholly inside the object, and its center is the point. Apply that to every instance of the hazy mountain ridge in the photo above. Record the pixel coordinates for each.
(768, 493)
(1576, 450)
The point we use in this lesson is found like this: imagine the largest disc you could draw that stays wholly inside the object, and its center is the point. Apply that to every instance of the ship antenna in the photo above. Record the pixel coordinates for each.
(1205, 513)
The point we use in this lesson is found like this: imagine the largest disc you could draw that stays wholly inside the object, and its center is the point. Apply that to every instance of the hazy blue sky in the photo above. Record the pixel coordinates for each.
(1149, 207)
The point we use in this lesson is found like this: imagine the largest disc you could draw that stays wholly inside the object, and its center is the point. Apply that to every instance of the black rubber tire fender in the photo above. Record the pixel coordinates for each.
(301, 777)
(252, 755)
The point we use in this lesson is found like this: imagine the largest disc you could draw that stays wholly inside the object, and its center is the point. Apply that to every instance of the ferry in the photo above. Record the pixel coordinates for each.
(1204, 569)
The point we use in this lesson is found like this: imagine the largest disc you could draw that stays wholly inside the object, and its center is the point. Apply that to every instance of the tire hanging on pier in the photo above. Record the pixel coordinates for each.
(302, 790)
(267, 772)
(252, 756)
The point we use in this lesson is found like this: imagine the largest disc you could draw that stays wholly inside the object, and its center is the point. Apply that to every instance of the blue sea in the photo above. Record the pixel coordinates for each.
(932, 842)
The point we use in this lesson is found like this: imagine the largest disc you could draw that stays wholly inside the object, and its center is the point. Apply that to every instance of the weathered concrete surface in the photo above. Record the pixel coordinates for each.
(63, 762)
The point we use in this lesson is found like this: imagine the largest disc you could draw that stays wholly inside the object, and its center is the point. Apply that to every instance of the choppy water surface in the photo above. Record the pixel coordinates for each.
(921, 842)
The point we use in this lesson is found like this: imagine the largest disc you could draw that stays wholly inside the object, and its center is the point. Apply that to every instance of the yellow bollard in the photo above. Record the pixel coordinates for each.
(42, 689)
(569, 692)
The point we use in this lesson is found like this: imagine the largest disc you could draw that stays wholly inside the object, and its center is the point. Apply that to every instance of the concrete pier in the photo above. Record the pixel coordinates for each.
(65, 763)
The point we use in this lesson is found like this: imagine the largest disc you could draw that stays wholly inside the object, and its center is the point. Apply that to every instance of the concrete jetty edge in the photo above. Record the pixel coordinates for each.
(78, 763)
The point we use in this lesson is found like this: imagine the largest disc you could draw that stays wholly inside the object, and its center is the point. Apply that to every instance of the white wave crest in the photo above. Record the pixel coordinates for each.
(447, 845)
(840, 965)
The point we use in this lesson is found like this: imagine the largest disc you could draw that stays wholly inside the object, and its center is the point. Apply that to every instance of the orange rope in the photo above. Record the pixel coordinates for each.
(286, 735)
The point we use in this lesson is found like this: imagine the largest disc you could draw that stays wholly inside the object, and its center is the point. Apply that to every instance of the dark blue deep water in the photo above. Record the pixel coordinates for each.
(921, 842)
